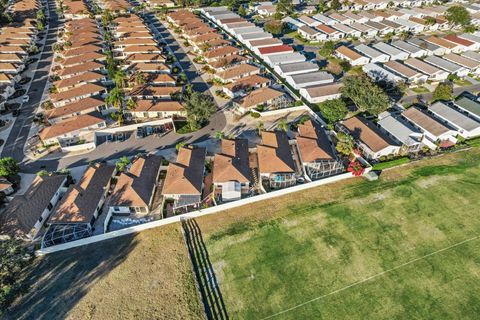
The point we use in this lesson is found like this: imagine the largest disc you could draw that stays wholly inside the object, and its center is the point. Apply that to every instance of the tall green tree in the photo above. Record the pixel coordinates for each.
(274, 27)
(283, 125)
(458, 15)
(115, 98)
(327, 49)
(366, 95)
(333, 110)
(13, 259)
(200, 107)
(443, 91)
(284, 7)
(8, 167)
(335, 5)
(242, 11)
(120, 78)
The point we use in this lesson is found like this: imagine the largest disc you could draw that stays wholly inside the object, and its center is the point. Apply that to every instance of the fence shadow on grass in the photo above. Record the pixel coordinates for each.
(207, 282)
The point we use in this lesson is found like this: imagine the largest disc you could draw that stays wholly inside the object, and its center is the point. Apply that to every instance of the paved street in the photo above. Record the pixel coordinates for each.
(106, 151)
(428, 96)
(188, 67)
(19, 133)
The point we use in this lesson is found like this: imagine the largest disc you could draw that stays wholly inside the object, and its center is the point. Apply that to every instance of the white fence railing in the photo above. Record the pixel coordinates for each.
(194, 214)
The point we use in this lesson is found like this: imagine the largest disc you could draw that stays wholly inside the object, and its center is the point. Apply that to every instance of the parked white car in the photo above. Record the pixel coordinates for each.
(25, 98)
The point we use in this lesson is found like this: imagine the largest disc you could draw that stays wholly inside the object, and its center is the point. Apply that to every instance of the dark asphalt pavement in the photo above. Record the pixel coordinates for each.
(19, 133)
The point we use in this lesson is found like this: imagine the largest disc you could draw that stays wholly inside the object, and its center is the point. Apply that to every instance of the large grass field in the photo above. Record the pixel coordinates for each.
(143, 276)
(277, 254)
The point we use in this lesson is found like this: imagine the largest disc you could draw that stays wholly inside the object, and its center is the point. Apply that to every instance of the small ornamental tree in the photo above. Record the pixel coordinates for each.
(344, 144)
(8, 167)
(274, 27)
(444, 91)
(458, 15)
(333, 110)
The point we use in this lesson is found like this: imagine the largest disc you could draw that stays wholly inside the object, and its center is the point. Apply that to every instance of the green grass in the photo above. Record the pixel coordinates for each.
(142, 276)
(462, 82)
(392, 163)
(274, 255)
(420, 89)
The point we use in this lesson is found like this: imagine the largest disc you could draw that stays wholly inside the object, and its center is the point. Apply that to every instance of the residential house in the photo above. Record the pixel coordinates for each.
(374, 55)
(232, 176)
(433, 128)
(412, 50)
(26, 214)
(309, 79)
(353, 57)
(410, 138)
(316, 152)
(291, 69)
(410, 75)
(468, 106)
(275, 161)
(433, 73)
(80, 206)
(369, 139)
(264, 97)
(320, 93)
(466, 126)
(447, 66)
(242, 86)
(184, 180)
(393, 52)
(134, 190)
(150, 109)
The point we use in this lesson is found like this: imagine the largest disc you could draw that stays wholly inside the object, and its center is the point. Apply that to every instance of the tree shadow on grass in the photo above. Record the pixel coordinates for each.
(58, 281)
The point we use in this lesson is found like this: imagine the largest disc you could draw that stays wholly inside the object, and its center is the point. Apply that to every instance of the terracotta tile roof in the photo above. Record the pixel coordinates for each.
(201, 30)
(274, 155)
(441, 42)
(88, 88)
(146, 90)
(186, 175)
(221, 52)
(276, 49)
(79, 203)
(367, 133)
(313, 143)
(349, 53)
(85, 67)
(76, 123)
(10, 57)
(247, 82)
(142, 49)
(160, 106)
(87, 57)
(206, 37)
(82, 50)
(227, 61)
(134, 41)
(259, 96)
(453, 38)
(79, 106)
(425, 121)
(326, 29)
(160, 78)
(75, 80)
(135, 187)
(149, 67)
(238, 71)
(145, 57)
(23, 211)
(232, 163)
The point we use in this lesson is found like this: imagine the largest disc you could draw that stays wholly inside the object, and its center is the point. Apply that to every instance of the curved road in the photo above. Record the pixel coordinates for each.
(106, 151)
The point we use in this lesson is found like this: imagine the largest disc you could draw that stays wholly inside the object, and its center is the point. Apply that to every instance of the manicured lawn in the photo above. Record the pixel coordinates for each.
(143, 276)
(276, 254)
(420, 89)
(391, 163)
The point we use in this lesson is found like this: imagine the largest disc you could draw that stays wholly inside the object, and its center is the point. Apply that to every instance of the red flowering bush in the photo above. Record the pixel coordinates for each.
(356, 168)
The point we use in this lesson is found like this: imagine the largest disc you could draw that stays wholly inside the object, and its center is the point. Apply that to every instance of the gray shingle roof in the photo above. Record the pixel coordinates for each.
(454, 116)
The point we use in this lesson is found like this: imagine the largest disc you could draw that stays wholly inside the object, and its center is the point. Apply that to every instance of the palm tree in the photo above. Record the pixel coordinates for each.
(131, 104)
(219, 135)
(115, 98)
(283, 125)
(120, 78)
(260, 127)
(140, 79)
